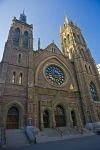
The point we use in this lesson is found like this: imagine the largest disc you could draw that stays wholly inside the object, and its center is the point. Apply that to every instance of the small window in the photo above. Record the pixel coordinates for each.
(78, 38)
(94, 92)
(74, 36)
(90, 69)
(70, 54)
(82, 53)
(16, 37)
(25, 39)
(20, 78)
(53, 49)
(68, 39)
(19, 58)
(65, 41)
(13, 77)
(86, 69)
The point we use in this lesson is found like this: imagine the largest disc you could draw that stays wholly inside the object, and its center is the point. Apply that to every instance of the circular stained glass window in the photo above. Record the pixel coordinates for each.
(55, 75)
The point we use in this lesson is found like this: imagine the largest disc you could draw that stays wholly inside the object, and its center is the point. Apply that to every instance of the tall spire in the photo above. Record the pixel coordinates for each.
(68, 20)
(60, 29)
(23, 17)
(39, 43)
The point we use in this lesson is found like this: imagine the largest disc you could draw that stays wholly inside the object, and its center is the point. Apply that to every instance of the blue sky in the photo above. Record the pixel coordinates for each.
(46, 17)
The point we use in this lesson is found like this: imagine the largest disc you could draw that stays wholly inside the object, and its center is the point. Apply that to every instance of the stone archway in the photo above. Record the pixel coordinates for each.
(12, 118)
(46, 119)
(60, 116)
(14, 113)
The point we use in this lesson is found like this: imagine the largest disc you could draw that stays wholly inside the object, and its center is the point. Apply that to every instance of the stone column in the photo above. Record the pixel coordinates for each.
(78, 119)
(69, 120)
(53, 119)
(50, 119)
(41, 118)
(29, 115)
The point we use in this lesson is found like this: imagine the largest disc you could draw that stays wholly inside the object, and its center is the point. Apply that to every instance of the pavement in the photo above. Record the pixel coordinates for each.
(44, 139)
(85, 143)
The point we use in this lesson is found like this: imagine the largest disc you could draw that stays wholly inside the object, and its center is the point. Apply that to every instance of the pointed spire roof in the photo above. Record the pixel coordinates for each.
(60, 29)
(39, 43)
(68, 20)
(23, 17)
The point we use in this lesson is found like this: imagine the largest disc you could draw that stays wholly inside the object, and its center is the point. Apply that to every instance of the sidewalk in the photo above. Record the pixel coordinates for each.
(45, 138)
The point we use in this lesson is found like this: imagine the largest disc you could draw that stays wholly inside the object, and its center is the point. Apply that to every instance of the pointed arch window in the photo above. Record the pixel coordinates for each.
(94, 92)
(78, 38)
(64, 41)
(20, 78)
(86, 69)
(68, 39)
(90, 69)
(82, 53)
(14, 77)
(74, 35)
(25, 39)
(16, 37)
(70, 53)
(19, 58)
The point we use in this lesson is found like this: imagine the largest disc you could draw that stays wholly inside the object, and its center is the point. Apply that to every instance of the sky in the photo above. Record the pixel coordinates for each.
(48, 15)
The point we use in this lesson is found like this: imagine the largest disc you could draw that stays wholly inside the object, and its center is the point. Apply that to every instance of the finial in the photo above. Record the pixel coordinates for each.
(38, 43)
(60, 29)
(23, 17)
(53, 42)
(67, 20)
(23, 10)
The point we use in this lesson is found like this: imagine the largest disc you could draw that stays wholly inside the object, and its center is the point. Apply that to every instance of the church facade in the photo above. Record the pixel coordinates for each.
(48, 88)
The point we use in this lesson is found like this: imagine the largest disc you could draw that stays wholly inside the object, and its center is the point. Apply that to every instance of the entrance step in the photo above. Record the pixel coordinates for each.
(15, 138)
(50, 132)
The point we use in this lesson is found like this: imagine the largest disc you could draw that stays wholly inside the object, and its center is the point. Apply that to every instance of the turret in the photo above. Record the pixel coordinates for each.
(72, 40)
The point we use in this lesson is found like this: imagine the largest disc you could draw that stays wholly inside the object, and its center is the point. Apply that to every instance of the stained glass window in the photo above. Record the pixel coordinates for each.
(94, 92)
(55, 74)
(16, 37)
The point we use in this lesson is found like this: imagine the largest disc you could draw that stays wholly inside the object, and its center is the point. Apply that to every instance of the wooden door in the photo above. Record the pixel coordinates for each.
(13, 118)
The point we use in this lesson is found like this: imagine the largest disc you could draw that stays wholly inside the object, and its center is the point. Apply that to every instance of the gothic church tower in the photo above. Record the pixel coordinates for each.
(75, 49)
(16, 73)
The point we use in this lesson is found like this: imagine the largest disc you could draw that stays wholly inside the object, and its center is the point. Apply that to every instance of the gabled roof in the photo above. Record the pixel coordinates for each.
(53, 48)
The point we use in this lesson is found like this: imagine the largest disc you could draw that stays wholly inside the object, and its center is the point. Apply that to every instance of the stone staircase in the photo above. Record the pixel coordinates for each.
(68, 131)
(16, 138)
(61, 133)
(50, 132)
(73, 131)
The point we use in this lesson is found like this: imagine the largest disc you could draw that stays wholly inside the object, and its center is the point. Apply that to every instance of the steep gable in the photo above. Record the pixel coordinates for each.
(53, 48)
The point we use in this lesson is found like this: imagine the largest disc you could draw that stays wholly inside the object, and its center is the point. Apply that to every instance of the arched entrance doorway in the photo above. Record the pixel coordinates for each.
(74, 121)
(46, 119)
(60, 117)
(12, 118)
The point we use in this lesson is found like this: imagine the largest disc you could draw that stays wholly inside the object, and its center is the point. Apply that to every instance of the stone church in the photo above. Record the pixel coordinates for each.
(48, 88)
